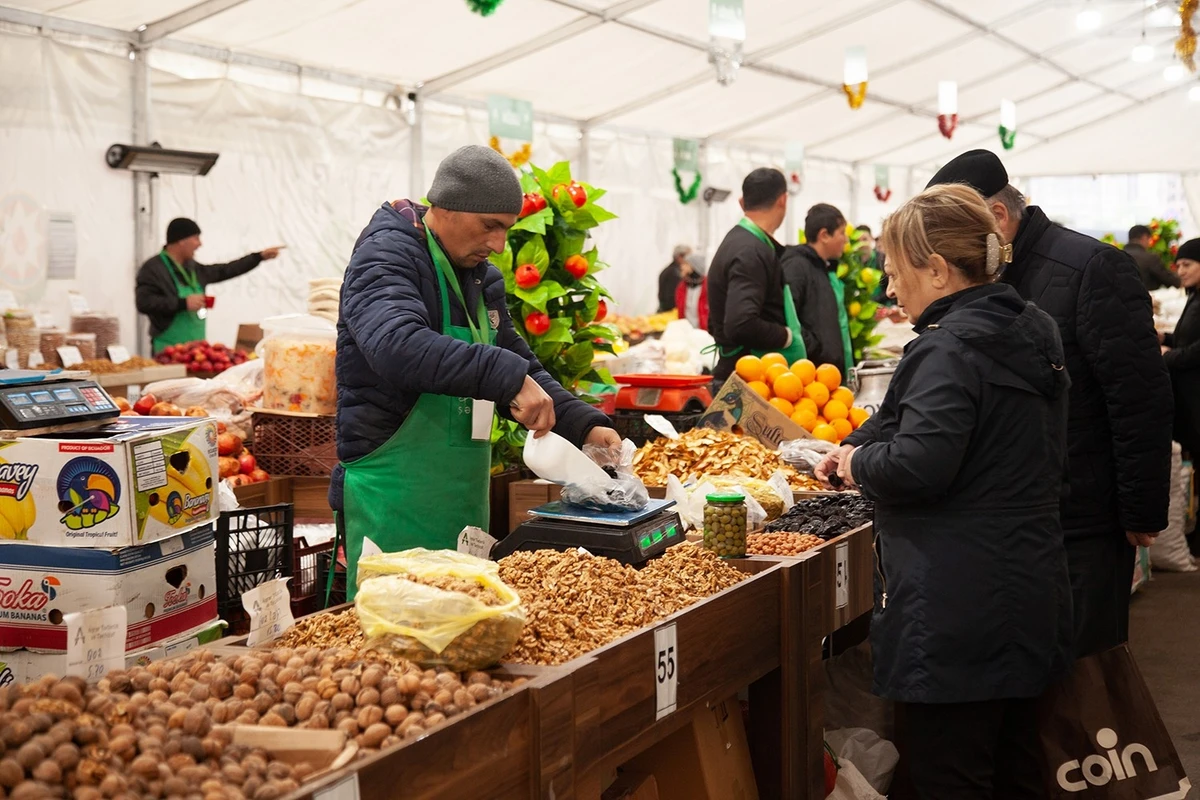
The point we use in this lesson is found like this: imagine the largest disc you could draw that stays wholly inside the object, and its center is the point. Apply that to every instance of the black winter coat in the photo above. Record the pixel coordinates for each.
(745, 298)
(1183, 361)
(1118, 433)
(965, 464)
(390, 349)
(1150, 267)
(807, 275)
(157, 297)
(668, 282)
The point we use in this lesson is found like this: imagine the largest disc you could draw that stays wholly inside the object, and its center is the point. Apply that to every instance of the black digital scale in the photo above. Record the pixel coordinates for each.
(31, 399)
(632, 537)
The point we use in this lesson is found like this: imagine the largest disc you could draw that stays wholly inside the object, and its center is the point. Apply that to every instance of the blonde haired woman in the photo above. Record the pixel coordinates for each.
(965, 462)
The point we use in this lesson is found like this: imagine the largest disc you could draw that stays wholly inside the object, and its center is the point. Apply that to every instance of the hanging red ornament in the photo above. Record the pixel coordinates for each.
(882, 195)
(947, 124)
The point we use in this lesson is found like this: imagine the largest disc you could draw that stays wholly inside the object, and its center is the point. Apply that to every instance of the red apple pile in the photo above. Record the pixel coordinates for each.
(237, 464)
(202, 356)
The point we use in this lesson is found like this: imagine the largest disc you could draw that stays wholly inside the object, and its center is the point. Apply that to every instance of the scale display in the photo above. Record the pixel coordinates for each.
(42, 405)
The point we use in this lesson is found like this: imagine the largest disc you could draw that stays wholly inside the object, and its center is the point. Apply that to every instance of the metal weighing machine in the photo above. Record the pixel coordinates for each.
(631, 537)
(33, 399)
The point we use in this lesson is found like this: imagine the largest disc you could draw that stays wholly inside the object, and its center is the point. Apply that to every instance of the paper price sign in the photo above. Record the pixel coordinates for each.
(118, 354)
(96, 642)
(666, 670)
(270, 608)
(70, 356)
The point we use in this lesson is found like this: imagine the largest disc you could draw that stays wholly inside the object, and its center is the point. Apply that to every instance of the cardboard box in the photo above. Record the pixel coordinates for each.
(129, 483)
(740, 409)
(707, 760)
(524, 495)
(168, 587)
(24, 666)
(632, 786)
(249, 334)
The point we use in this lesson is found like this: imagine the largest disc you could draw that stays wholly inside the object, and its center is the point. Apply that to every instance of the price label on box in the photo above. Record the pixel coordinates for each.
(118, 354)
(270, 608)
(44, 320)
(96, 642)
(36, 360)
(70, 356)
(666, 670)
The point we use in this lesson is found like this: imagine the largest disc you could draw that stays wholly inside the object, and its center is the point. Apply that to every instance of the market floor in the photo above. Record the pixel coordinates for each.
(1165, 639)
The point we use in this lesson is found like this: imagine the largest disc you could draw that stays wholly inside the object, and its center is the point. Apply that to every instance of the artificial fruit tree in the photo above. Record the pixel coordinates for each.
(1164, 240)
(554, 297)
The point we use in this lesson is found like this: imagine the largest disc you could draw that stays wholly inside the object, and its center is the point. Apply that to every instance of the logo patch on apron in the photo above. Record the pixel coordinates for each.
(494, 318)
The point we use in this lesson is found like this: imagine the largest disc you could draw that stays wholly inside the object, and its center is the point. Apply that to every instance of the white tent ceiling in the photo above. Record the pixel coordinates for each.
(1083, 104)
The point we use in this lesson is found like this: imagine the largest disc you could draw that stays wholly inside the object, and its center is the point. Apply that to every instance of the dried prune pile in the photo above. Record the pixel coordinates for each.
(826, 517)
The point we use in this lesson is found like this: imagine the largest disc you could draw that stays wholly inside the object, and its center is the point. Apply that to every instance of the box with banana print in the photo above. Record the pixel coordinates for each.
(135, 481)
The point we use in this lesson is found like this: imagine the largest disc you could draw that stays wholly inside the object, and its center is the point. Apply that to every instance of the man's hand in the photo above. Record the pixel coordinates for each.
(603, 437)
(533, 408)
(831, 464)
(195, 302)
(1140, 539)
(271, 252)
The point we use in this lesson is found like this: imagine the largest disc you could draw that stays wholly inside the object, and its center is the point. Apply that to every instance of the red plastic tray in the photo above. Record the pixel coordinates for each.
(664, 381)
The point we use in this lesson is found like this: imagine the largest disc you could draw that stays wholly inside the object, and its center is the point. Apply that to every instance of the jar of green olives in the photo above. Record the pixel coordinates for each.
(725, 525)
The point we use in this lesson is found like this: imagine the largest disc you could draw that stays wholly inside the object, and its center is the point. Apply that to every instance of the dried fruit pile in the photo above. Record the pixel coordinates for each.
(102, 366)
(781, 544)
(703, 451)
(826, 517)
(575, 603)
(154, 731)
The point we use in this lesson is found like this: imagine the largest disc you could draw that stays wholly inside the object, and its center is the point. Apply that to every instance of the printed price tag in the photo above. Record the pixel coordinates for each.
(8, 300)
(666, 670)
(96, 642)
(12, 358)
(475, 542)
(36, 360)
(118, 354)
(79, 303)
(842, 578)
(270, 610)
(70, 356)
(345, 789)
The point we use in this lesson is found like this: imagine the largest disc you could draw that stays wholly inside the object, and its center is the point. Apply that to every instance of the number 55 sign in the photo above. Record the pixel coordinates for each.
(666, 670)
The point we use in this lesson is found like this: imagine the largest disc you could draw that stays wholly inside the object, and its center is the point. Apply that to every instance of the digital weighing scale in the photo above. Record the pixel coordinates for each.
(631, 537)
(34, 399)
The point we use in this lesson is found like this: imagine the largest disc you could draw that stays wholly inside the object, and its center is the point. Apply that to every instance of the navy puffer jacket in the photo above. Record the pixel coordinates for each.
(965, 464)
(390, 349)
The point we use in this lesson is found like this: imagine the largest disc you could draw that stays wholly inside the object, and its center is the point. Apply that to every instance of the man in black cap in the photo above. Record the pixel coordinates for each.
(1119, 427)
(170, 286)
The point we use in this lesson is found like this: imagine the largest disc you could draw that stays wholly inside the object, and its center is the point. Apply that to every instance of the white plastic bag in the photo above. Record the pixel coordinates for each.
(805, 454)
(874, 757)
(851, 785)
(216, 398)
(1170, 551)
(620, 489)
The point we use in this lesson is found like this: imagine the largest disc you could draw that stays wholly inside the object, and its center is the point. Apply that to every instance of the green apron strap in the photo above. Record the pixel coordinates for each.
(189, 277)
(839, 292)
(759, 233)
(443, 264)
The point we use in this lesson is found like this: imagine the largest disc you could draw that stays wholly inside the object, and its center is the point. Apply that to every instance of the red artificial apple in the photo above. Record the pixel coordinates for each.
(577, 265)
(527, 276)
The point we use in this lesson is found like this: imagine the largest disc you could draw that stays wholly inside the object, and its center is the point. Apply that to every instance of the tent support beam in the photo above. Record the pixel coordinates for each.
(703, 209)
(144, 185)
(47, 22)
(416, 148)
(160, 29)
(548, 39)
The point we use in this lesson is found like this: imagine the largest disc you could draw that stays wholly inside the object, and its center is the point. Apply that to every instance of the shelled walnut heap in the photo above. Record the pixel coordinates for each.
(156, 731)
(784, 543)
(324, 631)
(575, 603)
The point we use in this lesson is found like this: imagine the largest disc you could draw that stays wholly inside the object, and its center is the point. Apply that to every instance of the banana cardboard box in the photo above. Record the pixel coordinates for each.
(740, 409)
(134, 481)
(168, 587)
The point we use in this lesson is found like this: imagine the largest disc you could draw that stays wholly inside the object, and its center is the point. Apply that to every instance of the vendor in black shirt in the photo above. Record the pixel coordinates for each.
(170, 286)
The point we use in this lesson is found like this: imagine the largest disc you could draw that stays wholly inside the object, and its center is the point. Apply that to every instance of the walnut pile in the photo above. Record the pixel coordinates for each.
(448, 583)
(156, 731)
(324, 631)
(575, 603)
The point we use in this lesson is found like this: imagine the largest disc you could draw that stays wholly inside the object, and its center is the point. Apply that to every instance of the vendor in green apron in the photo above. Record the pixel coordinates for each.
(426, 353)
(811, 270)
(170, 285)
(750, 310)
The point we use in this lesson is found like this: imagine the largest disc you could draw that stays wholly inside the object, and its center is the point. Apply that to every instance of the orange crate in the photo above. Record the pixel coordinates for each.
(293, 444)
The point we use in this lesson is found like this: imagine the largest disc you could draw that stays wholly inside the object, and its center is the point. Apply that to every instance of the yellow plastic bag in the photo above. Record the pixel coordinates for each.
(437, 626)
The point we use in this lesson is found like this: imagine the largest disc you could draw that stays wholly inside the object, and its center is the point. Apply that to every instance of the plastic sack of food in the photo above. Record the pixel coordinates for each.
(773, 501)
(214, 397)
(298, 354)
(622, 491)
(437, 608)
(805, 454)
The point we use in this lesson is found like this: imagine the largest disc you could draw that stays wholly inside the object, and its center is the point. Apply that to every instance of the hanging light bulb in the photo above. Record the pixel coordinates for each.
(726, 58)
(1143, 53)
(1174, 73)
(1088, 19)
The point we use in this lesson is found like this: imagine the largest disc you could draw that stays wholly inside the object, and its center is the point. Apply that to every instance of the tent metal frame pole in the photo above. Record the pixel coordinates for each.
(703, 209)
(416, 148)
(145, 195)
(46, 22)
(185, 18)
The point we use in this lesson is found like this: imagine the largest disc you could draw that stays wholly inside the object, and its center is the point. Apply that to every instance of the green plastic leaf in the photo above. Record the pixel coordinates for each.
(560, 173)
(593, 257)
(541, 295)
(578, 357)
(534, 252)
(560, 331)
(535, 223)
(503, 261)
(594, 194)
(599, 214)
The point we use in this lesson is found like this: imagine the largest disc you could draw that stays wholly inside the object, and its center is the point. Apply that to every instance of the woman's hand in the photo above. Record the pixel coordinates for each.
(831, 465)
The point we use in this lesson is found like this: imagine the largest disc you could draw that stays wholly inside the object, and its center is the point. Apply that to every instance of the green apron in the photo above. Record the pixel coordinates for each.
(796, 350)
(839, 292)
(431, 479)
(187, 326)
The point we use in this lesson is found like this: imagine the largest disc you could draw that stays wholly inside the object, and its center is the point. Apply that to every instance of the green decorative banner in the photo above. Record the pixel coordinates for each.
(509, 118)
(687, 155)
(727, 20)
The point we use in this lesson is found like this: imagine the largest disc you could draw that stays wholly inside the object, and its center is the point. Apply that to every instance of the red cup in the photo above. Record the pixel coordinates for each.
(209, 301)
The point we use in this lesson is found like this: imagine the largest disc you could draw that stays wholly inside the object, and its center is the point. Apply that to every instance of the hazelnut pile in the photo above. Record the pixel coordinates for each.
(158, 731)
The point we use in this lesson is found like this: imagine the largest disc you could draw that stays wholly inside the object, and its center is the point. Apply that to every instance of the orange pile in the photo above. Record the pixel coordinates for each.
(813, 397)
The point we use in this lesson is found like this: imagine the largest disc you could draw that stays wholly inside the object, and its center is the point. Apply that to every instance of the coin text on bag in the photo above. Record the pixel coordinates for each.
(1098, 770)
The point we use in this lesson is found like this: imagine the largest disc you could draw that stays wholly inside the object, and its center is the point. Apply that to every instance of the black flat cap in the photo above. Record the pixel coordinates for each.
(979, 169)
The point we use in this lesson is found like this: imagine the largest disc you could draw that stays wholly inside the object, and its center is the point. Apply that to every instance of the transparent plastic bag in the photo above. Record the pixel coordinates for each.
(765, 493)
(298, 353)
(805, 454)
(622, 491)
(469, 620)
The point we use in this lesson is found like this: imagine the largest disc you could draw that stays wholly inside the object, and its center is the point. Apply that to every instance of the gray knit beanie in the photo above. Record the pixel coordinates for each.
(478, 180)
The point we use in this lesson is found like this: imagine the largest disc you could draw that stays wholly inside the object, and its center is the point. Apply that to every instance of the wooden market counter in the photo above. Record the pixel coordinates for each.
(563, 732)
(119, 383)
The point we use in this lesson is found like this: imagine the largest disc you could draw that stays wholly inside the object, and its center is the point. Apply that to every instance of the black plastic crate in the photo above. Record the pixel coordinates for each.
(253, 546)
(632, 425)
